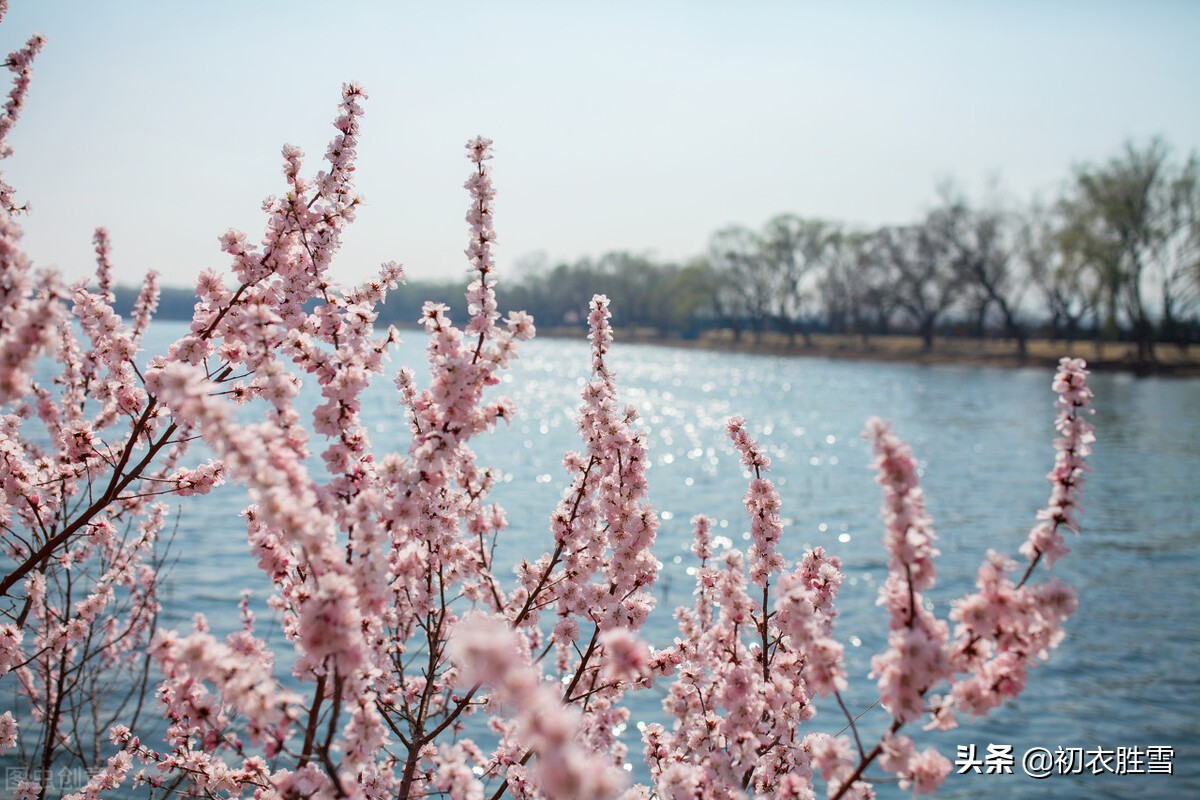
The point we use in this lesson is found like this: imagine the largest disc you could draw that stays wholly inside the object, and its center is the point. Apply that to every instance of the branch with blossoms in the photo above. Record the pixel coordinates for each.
(82, 561)
(748, 672)
(1003, 629)
(87, 458)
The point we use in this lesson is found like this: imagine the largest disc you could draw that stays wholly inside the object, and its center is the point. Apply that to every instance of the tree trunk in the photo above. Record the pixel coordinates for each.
(927, 335)
(1144, 333)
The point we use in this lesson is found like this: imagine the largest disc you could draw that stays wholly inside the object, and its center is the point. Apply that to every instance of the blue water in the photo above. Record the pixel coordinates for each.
(1126, 676)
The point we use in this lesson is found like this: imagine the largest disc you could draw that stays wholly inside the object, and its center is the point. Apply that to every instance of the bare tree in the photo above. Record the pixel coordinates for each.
(1177, 256)
(747, 296)
(1070, 291)
(795, 252)
(1125, 219)
(983, 242)
(857, 288)
(922, 263)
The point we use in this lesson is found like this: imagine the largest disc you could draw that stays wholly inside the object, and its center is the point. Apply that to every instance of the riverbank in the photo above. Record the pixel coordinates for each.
(1102, 357)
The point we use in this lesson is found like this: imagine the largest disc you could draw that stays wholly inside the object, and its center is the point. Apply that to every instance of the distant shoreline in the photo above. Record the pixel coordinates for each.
(177, 305)
(902, 348)
(960, 351)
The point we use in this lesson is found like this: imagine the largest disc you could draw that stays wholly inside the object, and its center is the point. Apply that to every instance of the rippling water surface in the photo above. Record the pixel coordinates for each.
(1126, 676)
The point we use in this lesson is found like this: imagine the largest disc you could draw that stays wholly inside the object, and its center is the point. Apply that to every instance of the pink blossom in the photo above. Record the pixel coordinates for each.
(626, 657)
(491, 653)
(8, 731)
(926, 772)
(10, 646)
(27, 790)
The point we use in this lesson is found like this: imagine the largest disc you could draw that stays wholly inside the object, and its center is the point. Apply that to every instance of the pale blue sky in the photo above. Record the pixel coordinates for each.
(640, 126)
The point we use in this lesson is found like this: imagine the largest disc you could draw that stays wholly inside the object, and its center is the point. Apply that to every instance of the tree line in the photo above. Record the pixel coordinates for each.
(1116, 256)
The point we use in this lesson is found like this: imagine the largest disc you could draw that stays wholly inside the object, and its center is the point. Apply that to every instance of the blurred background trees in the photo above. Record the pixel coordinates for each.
(1115, 257)
(1132, 222)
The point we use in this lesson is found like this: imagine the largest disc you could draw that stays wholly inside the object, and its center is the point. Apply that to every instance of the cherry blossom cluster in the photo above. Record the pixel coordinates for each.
(915, 659)
(762, 504)
(748, 666)
(537, 718)
(406, 662)
(27, 302)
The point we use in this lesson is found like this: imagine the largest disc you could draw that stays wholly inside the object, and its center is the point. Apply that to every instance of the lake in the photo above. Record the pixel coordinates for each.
(1126, 675)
